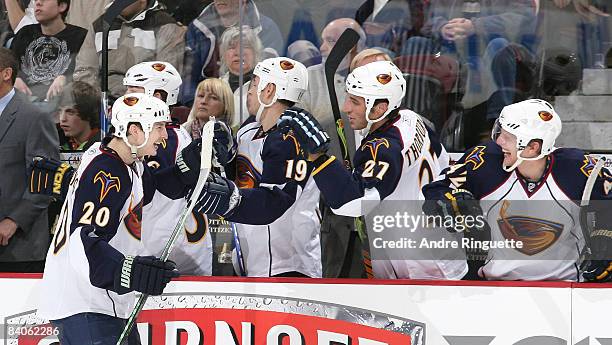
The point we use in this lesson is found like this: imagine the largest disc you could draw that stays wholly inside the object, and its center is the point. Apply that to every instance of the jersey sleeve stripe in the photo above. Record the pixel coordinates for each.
(322, 166)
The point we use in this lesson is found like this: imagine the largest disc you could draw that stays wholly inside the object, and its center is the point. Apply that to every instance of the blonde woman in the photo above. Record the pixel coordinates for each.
(213, 97)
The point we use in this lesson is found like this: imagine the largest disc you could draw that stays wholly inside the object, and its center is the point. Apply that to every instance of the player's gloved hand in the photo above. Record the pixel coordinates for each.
(188, 162)
(309, 133)
(146, 274)
(456, 204)
(220, 196)
(599, 267)
(223, 145)
(51, 177)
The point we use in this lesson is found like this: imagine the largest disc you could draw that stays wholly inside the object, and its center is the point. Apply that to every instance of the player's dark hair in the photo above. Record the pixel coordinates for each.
(539, 141)
(9, 60)
(65, 13)
(86, 100)
(286, 102)
(163, 94)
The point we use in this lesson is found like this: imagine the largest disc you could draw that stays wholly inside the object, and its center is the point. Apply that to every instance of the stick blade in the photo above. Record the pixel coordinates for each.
(343, 45)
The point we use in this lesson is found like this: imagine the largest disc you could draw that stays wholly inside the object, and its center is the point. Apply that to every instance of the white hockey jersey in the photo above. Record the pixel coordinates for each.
(193, 249)
(278, 219)
(544, 216)
(392, 164)
(105, 195)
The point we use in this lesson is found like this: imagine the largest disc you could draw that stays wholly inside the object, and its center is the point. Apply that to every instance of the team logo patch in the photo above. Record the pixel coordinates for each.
(286, 65)
(384, 78)
(476, 157)
(133, 220)
(158, 66)
(246, 174)
(544, 115)
(130, 101)
(289, 135)
(108, 182)
(374, 145)
(536, 234)
(589, 164)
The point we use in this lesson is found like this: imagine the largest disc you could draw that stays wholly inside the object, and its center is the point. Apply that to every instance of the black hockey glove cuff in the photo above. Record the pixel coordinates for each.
(146, 274)
(309, 133)
(599, 266)
(188, 163)
(51, 177)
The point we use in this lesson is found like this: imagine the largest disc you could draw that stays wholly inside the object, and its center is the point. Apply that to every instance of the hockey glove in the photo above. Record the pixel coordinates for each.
(309, 133)
(188, 163)
(146, 274)
(51, 177)
(223, 145)
(599, 268)
(456, 205)
(219, 196)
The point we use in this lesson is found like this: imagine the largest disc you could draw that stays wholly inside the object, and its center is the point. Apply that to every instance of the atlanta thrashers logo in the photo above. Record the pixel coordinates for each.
(108, 182)
(536, 234)
(133, 220)
(246, 174)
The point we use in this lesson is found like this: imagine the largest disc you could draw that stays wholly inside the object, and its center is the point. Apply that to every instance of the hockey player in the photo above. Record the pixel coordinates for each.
(394, 159)
(276, 209)
(529, 192)
(89, 269)
(193, 251)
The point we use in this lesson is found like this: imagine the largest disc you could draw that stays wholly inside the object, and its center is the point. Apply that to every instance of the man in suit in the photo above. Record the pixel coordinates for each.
(25, 132)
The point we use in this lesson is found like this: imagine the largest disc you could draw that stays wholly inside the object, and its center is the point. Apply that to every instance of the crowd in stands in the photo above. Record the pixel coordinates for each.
(463, 60)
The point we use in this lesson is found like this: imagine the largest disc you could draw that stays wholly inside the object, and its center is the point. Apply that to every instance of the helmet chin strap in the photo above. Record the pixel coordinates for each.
(263, 105)
(520, 159)
(363, 132)
(134, 148)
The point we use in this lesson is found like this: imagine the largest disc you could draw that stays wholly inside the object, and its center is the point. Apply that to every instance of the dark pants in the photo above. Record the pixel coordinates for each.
(93, 328)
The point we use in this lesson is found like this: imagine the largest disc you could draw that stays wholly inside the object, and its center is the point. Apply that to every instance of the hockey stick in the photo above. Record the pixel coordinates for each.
(241, 265)
(343, 46)
(205, 167)
(108, 17)
(586, 200)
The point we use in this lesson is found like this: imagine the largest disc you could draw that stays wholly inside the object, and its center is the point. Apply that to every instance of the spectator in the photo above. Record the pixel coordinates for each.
(25, 132)
(316, 98)
(213, 98)
(389, 23)
(143, 32)
(84, 12)
(47, 50)
(205, 31)
(20, 13)
(252, 52)
(79, 108)
(304, 52)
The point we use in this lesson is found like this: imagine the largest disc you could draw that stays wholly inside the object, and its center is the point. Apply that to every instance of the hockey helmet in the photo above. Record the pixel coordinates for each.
(289, 76)
(377, 80)
(138, 108)
(533, 119)
(155, 75)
